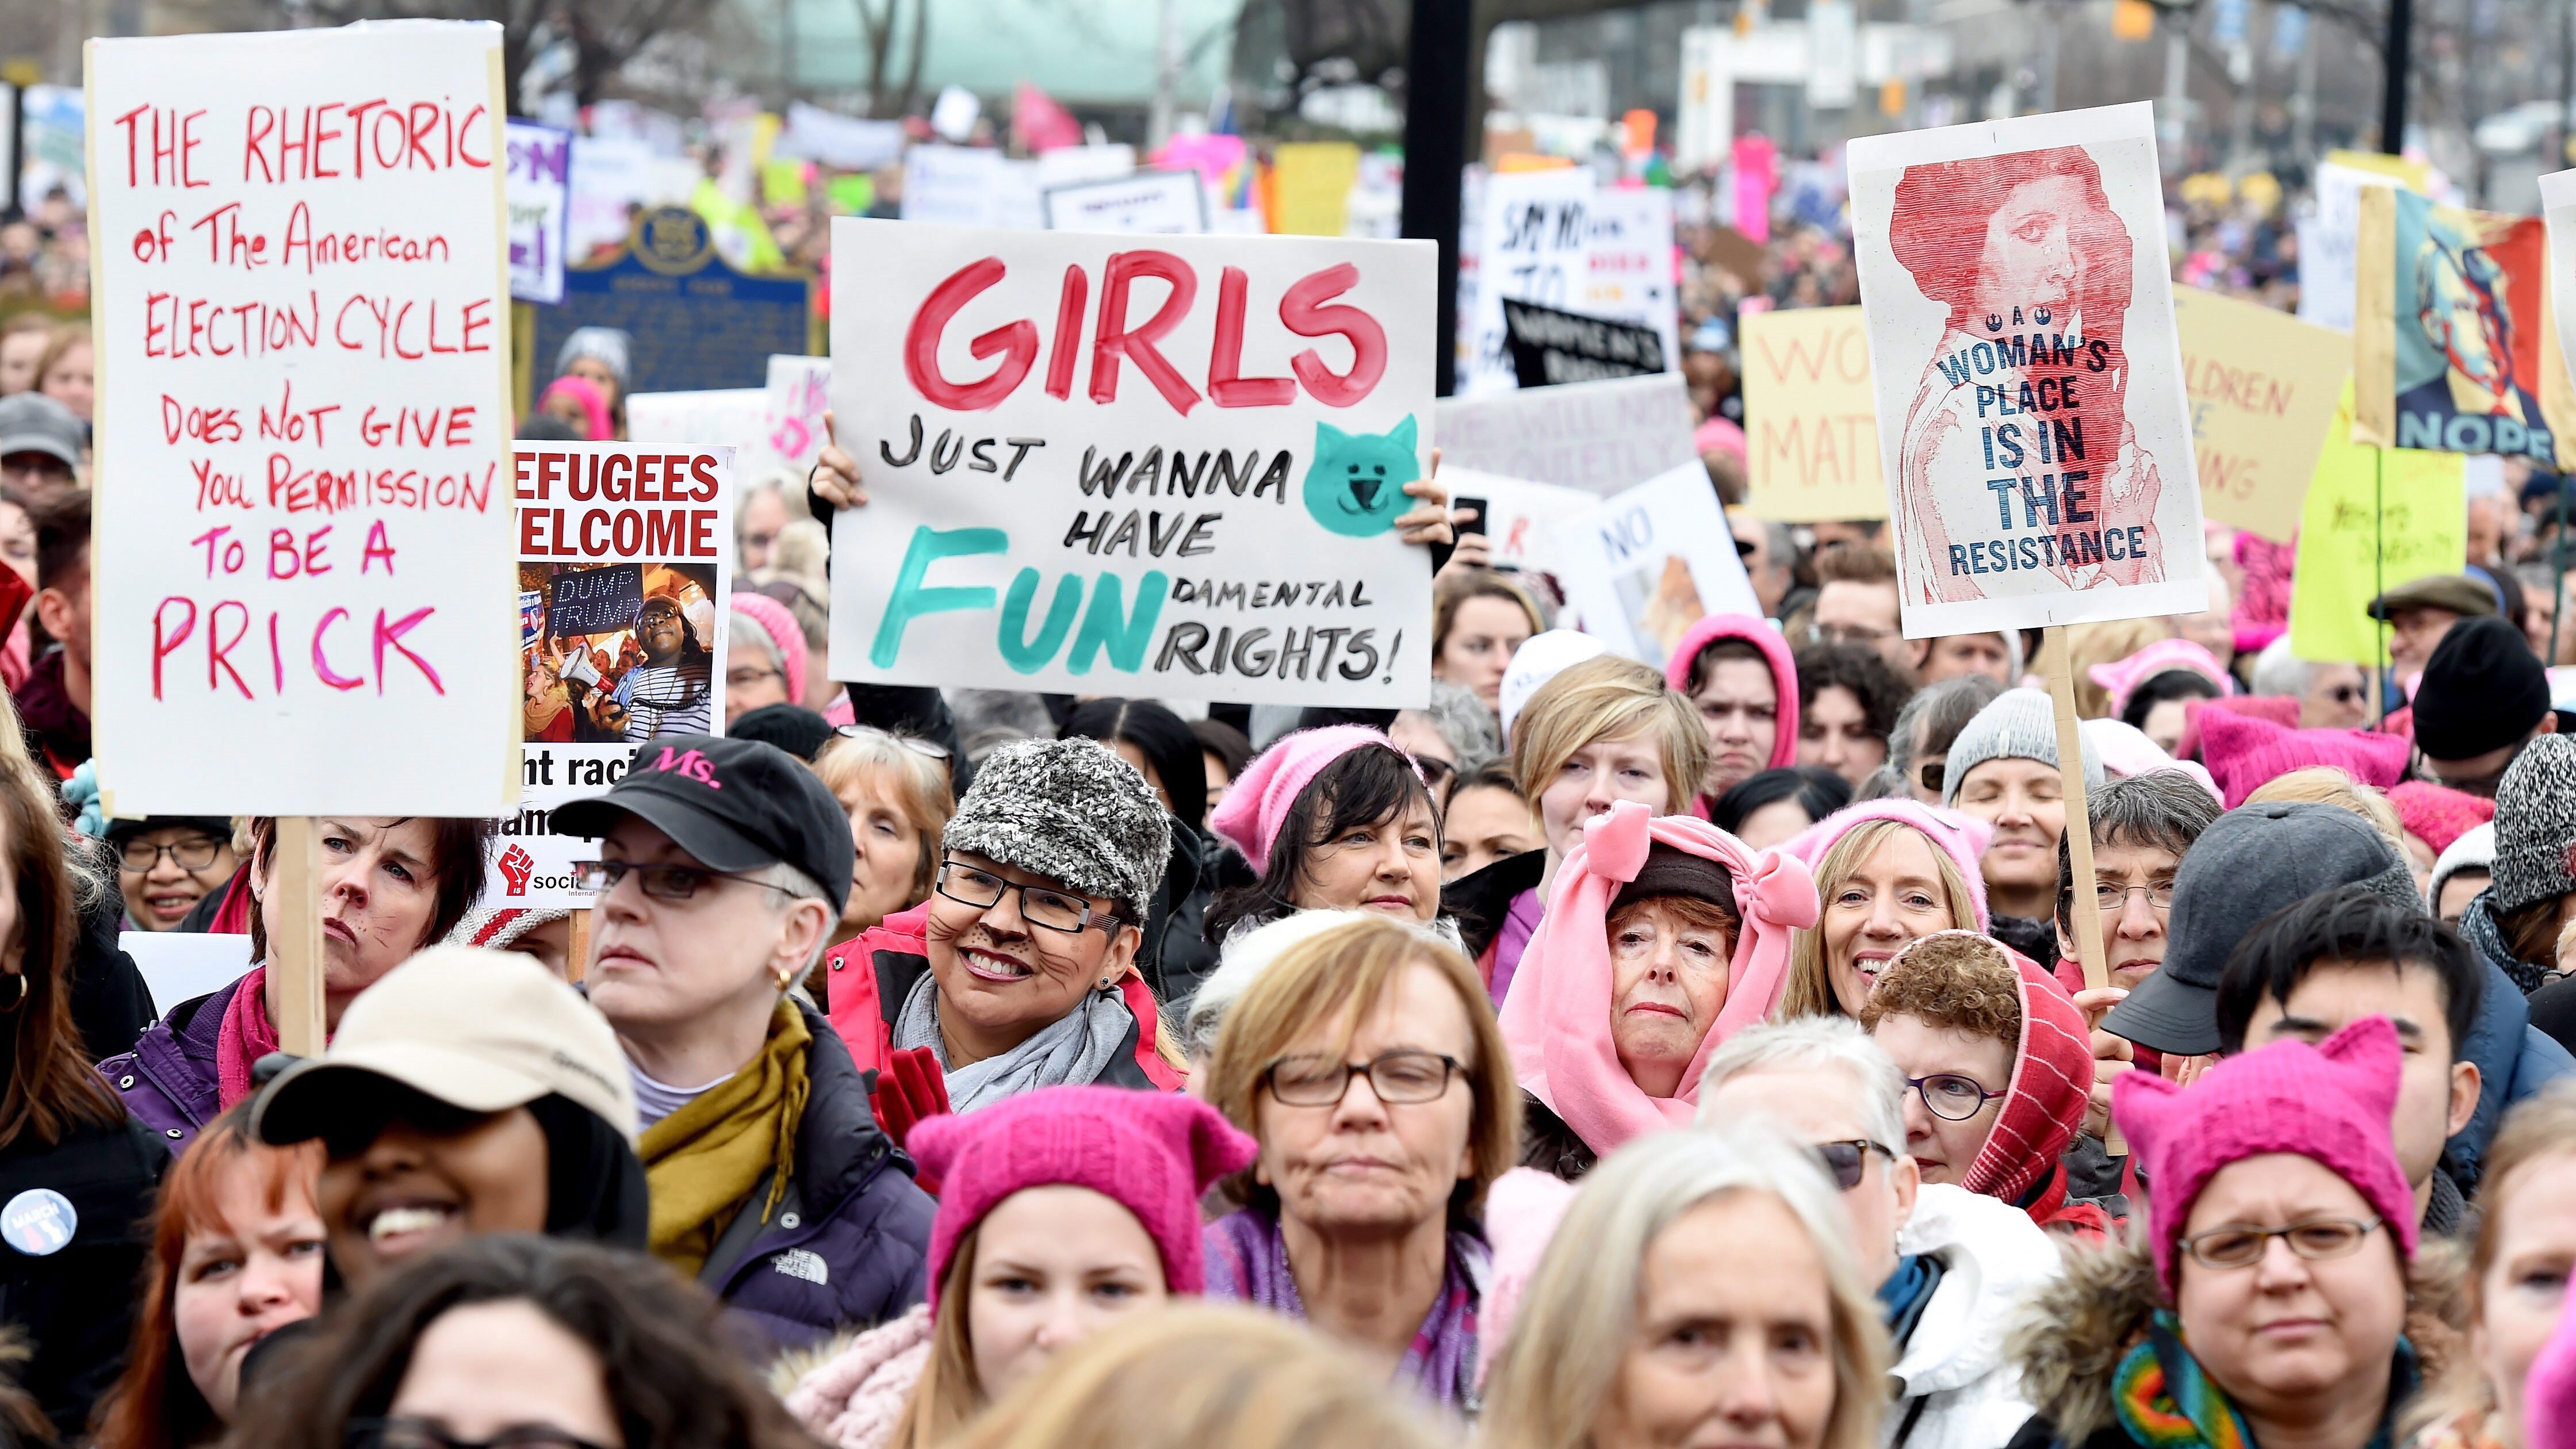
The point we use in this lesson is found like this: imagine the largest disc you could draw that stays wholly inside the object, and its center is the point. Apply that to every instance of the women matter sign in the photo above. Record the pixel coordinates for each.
(303, 548)
(1101, 467)
(2032, 420)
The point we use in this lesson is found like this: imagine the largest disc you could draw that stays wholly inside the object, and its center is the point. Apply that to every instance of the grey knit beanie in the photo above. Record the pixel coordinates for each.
(2020, 725)
(2535, 824)
(1071, 811)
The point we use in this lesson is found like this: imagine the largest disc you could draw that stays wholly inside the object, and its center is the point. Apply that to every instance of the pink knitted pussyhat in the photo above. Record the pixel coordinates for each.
(1153, 1152)
(783, 631)
(2438, 815)
(1257, 804)
(2244, 754)
(2123, 676)
(2331, 1102)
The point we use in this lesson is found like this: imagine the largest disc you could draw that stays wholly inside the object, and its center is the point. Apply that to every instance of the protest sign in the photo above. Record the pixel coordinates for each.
(799, 393)
(629, 549)
(846, 143)
(1632, 263)
(2328, 275)
(2374, 518)
(696, 322)
(1534, 244)
(2453, 350)
(1161, 203)
(1601, 437)
(540, 192)
(1518, 517)
(1196, 498)
(1810, 431)
(1645, 566)
(2032, 422)
(1311, 187)
(301, 578)
(2263, 387)
(2558, 208)
(1550, 346)
(735, 416)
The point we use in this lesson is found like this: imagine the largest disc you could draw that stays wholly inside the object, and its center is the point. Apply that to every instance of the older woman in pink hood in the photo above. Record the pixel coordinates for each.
(1737, 672)
(1663, 936)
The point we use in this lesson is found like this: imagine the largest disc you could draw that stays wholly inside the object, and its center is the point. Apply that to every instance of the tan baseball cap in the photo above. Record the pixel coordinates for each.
(482, 1031)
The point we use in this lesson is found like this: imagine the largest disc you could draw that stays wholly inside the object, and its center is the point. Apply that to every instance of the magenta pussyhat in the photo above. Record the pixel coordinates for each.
(1257, 804)
(1153, 1153)
(2331, 1102)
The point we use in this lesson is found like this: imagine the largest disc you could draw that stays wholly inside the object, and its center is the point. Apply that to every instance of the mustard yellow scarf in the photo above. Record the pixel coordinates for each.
(704, 1160)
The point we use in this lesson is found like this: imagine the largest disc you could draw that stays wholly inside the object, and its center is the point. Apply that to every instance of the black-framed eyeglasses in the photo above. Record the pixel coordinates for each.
(1401, 1077)
(1952, 1097)
(928, 749)
(1039, 905)
(1843, 1161)
(661, 882)
(2111, 897)
(197, 852)
(2242, 1245)
(402, 1433)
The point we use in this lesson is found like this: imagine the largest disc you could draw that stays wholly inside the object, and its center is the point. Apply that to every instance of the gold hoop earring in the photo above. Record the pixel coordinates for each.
(23, 990)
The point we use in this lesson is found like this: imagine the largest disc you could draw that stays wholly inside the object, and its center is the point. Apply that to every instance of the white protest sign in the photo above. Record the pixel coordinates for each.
(625, 573)
(1520, 517)
(1101, 467)
(845, 143)
(302, 544)
(799, 393)
(2558, 208)
(540, 192)
(2032, 421)
(1163, 203)
(1534, 244)
(950, 185)
(737, 417)
(610, 178)
(1631, 277)
(1601, 437)
(2329, 244)
(1645, 566)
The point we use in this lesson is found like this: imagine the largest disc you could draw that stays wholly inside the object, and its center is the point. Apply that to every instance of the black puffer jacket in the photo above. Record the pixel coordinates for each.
(76, 1303)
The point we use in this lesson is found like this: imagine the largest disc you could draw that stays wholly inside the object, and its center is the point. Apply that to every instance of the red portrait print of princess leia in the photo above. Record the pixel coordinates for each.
(2017, 458)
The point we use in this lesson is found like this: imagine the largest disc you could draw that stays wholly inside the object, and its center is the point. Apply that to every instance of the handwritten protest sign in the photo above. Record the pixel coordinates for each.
(2032, 422)
(1106, 467)
(540, 193)
(2263, 387)
(734, 416)
(799, 394)
(2558, 207)
(629, 550)
(301, 563)
(1534, 245)
(1811, 434)
(1645, 566)
(1631, 276)
(1601, 437)
(2328, 267)
(1519, 518)
(2374, 518)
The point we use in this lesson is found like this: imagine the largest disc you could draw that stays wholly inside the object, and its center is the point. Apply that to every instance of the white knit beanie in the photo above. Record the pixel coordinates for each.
(2021, 724)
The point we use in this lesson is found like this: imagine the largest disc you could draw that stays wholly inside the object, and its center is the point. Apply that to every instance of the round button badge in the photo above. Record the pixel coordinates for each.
(38, 1222)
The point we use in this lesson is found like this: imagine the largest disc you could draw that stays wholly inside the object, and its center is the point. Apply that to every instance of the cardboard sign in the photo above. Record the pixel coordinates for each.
(1550, 346)
(2031, 416)
(1601, 437)
(1101, 467)
(1810, 428)
(799, 394)
(631, 550)
(540, 191)
(301, 560)
(1158, 203)
(1534, 244)
(1632, 263)
(2374, 518)
(2263, 387)
(1645, 566)
(2452, 346)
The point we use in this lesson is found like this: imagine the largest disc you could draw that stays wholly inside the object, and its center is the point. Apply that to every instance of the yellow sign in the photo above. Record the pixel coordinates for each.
(2413, 175)
(1810, 420)
(2263, 386)
(2374, 518)
(1312, 180)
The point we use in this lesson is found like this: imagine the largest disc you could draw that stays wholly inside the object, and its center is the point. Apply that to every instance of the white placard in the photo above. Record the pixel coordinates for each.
(2558, 207)
(736, 417)
(540, 191)
(2329, 272)
(1631, 278)
(799, 393)
(1158, 203)
(1081, 481)
(1534, 244)
(1521, 517)
(2032, 420)
(180, 966)
(1602, 437)
(1646, 565)
(845, 143)
(303, 541)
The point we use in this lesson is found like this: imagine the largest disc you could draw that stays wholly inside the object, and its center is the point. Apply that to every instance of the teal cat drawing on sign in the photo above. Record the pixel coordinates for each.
(1356, 487)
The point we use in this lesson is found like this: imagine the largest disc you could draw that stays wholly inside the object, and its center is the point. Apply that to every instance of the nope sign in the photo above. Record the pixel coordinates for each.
(1166, 467)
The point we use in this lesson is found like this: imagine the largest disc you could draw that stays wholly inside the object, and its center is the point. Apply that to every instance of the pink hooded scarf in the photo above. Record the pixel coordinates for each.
(1775, 650)
(1557, 1016)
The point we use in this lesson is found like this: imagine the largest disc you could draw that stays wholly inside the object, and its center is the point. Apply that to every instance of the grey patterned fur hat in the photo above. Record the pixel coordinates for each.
(1071, 811)
(2535, 820)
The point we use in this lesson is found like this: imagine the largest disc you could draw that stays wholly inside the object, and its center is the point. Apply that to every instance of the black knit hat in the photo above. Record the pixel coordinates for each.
(1672, 872)
(2483, 690)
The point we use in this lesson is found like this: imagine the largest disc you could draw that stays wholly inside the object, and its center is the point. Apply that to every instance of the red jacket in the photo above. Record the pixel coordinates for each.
(871, 976)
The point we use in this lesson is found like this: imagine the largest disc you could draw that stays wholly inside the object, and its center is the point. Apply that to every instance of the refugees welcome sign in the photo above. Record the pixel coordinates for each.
(303, 547)
(1103, 467)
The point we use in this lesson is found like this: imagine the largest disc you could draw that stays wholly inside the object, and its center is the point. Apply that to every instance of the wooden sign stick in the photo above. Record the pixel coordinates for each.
(2083, 906)
(577, 953)
(295, 960)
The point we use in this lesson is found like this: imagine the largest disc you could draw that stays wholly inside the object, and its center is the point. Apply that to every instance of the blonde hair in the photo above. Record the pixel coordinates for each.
(1578, 1318)
(2536, 1130)
(1192, 1375)
(2107, 643)
(2326, 785)
(947, 1395)
(917, 783)
(1609, 698)
(1810, 989)
(1342, 975)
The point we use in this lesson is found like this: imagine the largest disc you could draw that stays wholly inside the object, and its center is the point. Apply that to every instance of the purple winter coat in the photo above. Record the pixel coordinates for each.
(168, 1081)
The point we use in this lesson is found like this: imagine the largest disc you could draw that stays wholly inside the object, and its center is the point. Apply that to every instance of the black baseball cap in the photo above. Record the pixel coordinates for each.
(737, 805)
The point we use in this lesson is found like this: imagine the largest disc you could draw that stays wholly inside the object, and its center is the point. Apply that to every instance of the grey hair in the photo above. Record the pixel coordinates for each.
(2161, 809)
(1884, 783)
(1578, 1316)
(798, 886)
(743, 634)
(2277, 671)
(1809, 1042)
(1937, 712)
(1474, 735)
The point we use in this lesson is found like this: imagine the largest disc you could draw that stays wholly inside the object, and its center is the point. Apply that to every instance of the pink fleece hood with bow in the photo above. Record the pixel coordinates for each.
(1775, 650)
(1557, 1015)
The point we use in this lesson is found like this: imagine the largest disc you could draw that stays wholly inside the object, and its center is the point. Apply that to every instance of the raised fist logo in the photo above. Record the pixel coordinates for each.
(516, 866)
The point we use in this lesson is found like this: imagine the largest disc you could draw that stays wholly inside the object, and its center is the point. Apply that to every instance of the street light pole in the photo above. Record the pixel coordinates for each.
(1435, 152)
(2392, 94)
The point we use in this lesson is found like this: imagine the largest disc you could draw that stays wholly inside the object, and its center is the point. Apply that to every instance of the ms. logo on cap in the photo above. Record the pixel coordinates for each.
(691, 765)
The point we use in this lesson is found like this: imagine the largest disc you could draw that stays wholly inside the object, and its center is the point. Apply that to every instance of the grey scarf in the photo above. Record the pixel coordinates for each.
(1073, 1050)
(2479, 925)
